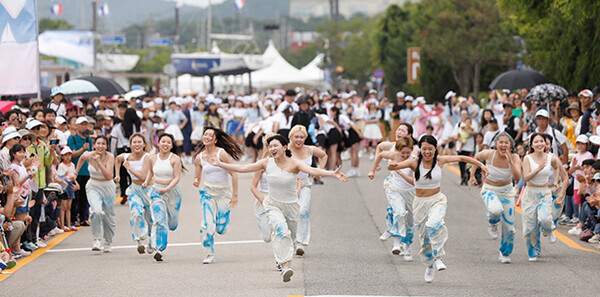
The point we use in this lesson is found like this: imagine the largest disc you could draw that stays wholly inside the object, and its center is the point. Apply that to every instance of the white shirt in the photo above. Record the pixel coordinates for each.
(62, 137)
(489, 136)
(60, 109)
(360, 112)
(557, 138)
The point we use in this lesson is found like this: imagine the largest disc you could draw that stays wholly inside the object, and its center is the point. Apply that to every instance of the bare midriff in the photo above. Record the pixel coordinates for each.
(426, 192)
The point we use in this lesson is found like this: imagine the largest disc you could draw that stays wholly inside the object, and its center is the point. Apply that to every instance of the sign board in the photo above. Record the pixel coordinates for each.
(378, 73)
(413, 64)
(112, 39)
(159, 42)
(195, 65)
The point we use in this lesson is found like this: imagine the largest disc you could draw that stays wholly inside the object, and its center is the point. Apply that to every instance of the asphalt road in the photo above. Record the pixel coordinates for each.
(345, 257)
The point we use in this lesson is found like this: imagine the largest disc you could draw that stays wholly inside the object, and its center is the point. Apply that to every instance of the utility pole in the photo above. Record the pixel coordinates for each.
(335, 14)
(176, 41)
(94, 16)
(209, 26)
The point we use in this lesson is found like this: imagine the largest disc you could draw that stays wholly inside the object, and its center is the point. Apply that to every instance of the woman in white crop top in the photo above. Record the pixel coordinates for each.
(498, 192)
(165, 195)
(400, 192)
(536, 201)
(430, 204)
(281, 204)
(260, 189)
(563, 179)
(216, 197)
(139, 200)
(100, 191)
(304, 153)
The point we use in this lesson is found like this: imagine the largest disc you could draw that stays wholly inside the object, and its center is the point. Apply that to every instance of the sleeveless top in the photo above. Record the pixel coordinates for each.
(95, 173)
(214, 174)
(163, 171)
(307, 161)
(397, 180)
(551, 175)
(135, 165)
(282, 185)
(498, 174)
(541, 178)
(263, 185)
(425, 183)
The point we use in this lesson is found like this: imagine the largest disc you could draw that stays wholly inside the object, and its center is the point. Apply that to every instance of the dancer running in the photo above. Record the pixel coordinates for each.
(165, 195)
(430, 204)
(400, 192)
(139, 201)
(216, 196)
(537, 197)
(305, 154)
(563, 177)
(281, 204)
(100, 191)
(260, 189)
(498, 192)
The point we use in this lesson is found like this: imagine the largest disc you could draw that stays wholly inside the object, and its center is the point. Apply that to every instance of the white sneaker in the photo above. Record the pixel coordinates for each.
(551, 237)
(287, 273)
(397, 247)
(345, 155)
(439, 265)
(149, 249)
(140, 247)
(351, 173)
(22, 253)
(357, 171)
(41, 243)
(407, 253)
(107, 247)
(371, 156)
(360, 153)
(429, 274)
(385, 235)
(96, 246)
(504, 259)
(210, 258)
(595, 238)
(493, 230)
(575, 231)
(532, 259)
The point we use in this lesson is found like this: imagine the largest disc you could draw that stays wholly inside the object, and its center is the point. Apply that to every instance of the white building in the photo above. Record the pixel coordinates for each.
(304, 9)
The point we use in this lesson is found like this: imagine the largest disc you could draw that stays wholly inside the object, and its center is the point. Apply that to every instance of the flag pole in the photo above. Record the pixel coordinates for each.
(37, 42)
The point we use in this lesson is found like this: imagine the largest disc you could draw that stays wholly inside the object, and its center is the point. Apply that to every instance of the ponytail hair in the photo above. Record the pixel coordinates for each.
(283, 142)
(431, 140)
(402, 142)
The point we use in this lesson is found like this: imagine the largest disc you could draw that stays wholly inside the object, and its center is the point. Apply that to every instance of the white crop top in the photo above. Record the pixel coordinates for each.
(162, 169)
(551, 175)
(426, 183)
(135, 165)
(397, 180)
(307, 161)
(541, 178)
(498, 174)
(214, 174)
(95, 173)
(282, 185)
(263, 185)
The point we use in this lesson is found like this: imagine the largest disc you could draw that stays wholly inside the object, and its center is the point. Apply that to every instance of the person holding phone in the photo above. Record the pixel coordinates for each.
(79, 143)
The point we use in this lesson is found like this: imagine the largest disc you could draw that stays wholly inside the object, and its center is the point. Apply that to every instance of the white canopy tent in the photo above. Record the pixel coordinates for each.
(313, 72)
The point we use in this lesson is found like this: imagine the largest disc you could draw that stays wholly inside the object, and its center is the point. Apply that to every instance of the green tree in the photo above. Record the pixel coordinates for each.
(561, 37)
(50, 24)
(465, 35)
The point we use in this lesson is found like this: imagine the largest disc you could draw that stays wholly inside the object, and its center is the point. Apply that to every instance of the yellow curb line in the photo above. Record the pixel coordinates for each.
(565, 239)
(40, 251)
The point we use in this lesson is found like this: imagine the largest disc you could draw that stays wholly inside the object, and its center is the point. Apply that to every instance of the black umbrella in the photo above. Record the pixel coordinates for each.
(517, 79)
(545, 93)
(106, 86)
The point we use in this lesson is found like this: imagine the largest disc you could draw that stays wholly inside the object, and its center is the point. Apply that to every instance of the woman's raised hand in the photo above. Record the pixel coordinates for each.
(339, 175)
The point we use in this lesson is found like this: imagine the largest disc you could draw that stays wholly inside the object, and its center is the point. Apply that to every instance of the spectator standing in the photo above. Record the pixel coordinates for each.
(559, 141)
(79, 143)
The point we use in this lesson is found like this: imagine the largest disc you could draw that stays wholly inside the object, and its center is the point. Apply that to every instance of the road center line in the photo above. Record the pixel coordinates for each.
(170, 245)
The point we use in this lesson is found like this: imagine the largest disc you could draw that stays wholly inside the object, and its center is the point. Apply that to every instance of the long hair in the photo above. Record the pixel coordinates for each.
(337, 114)
(174, 148)
(534, 135)
(146, 143)
(410, 130)
(283, 142)
(431, 140)
(483, 120)
(224, 141)
(131, 123)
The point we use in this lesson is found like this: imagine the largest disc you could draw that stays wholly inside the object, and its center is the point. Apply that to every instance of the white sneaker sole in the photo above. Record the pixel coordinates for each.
(287, 276)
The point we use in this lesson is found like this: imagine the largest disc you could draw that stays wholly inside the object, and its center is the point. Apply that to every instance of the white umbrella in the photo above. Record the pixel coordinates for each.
(134, 94)
(78, 87)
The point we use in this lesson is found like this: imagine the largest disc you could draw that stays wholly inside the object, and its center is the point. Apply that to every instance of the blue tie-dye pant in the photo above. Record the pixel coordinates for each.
(215, 201)
(139, 207)
(283, 218)
(101, 197)
(303, 233)
(429, 213)
(399, 216)
(537, 208)
(262, 220)
(165, 214)
(556, 210)
(500, 205)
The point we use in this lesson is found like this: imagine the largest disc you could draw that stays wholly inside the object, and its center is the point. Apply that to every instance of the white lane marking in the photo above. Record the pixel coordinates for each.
(170, 245)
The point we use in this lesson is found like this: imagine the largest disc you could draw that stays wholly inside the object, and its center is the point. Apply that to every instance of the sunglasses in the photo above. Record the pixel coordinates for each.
(26, 138)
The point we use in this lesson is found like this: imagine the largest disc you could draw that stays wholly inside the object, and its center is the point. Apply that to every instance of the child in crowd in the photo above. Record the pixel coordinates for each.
(67, 179)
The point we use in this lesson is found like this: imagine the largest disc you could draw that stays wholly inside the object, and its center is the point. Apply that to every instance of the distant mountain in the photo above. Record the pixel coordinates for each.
(124, 13)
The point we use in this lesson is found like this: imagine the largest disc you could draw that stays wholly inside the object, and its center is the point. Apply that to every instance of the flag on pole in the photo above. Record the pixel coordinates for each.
(239, 4)
(56, 9)
(103, 10)
(19, 66)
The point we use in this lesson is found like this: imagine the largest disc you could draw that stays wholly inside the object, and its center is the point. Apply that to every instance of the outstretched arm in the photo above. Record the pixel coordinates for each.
(83, 158)
(258, 165)
(452, 159)
(378, 157)
(410, 163)
(320, 172)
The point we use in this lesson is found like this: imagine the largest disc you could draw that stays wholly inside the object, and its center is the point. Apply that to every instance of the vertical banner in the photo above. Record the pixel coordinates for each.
(19, 66)
(414, 64)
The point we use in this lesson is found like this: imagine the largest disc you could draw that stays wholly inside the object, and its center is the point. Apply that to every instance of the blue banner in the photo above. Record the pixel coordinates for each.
(195, 65)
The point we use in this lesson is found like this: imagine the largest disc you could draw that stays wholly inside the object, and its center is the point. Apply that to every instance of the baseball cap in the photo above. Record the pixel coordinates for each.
(81, 120)
(586, 93)
(582, 139)
(65, 150)
(408, 98)
(56, 90)
(542, 113)
(400, 94)
(32, 124)
(449, 95)
(60, 120)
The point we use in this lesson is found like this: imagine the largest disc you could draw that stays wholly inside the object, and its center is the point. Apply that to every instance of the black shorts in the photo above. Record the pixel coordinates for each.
(352, 138)
(333, 137)
(321, 140)
(250, 141)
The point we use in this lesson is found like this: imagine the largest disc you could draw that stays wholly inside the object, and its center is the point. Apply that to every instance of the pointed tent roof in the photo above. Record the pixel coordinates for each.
(278, 73)
(312, 70)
